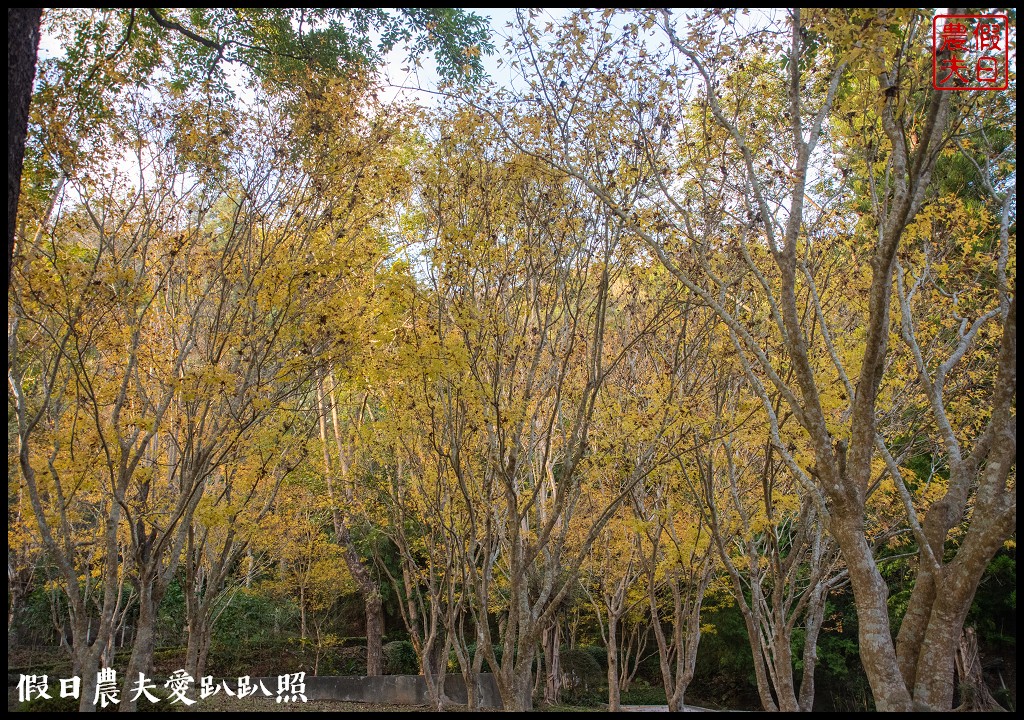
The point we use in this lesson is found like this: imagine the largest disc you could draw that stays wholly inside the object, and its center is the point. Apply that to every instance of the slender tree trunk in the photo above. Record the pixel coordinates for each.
(141, 660)
(372, 605)
(470, 667)
(22, 49)
(522, 679)
(782, 664)
(200, 636)
(664, 651)
(434, 662)
(812, 627)
(614, 691)
(87, 664)
(368, 587)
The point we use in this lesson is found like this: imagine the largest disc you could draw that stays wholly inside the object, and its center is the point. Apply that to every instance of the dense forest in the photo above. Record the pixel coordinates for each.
(680, 365)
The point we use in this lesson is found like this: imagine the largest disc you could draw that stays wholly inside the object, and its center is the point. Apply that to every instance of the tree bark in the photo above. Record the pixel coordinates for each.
(877, 651)
(614, 691)
(552, 641)
(22, 49)
(141, 660)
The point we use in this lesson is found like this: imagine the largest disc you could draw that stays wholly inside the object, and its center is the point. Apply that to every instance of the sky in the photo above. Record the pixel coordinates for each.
(399, 76)
(403, 80)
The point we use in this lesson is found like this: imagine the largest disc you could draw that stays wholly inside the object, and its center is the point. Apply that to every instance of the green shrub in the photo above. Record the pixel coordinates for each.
(582, 678)
(599, 653)
(453, 660)
(167, 660)
(654, 695)
(400, 658)
(256, 618)
(345, 661)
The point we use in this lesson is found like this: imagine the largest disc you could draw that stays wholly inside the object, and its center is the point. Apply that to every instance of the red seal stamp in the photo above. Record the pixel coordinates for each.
(970, 52)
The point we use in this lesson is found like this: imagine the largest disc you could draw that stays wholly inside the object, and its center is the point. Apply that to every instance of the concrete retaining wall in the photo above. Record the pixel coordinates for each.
(394, 689)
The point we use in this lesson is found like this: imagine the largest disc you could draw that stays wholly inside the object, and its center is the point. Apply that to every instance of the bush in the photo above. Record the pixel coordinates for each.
(644, 696)
(255, 618)
(167, 660)
(400, 658)
(582, 677)
(599, 653)
(345, 661)
(56, 705)
(453, 660)
(349, 642)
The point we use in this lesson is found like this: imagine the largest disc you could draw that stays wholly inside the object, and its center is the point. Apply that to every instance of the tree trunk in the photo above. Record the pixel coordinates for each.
(664, 651)
(368, 587)
(877, 652)
(434, 667)
(812, 627)
(785, 686)
(614, 691)
(552, 640)
(470, 667)
(200, 637)
(522, 683)
(87, 664)
(374, 631)
(141, 660)
(933, 689)
(974, 693)
(22, 49)
(372, 603)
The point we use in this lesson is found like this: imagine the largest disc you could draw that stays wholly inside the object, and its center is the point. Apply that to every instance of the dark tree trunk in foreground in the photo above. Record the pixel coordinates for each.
(22, 46)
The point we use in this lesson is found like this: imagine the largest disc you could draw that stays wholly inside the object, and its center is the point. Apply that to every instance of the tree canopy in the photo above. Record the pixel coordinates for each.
(703, 328)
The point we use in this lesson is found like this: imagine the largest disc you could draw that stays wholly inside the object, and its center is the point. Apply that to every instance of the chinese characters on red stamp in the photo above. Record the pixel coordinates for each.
(970, 52)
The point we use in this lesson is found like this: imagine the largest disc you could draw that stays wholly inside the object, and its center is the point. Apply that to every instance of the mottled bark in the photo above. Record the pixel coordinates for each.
(86, 664)
(141, 660)
(197, 648)
(877, 651)
(815, 614)
(551, 640)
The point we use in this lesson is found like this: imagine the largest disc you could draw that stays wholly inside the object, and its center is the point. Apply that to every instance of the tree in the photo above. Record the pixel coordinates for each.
(648, 410)
(310, 569)
(339, 483)
(80, 299)
(613, 576)
(181, 330)
(679, 570)
(524, 281)
(22, 45)
(228, 520)
(776, 551)
(360, 150)
(724, 152)
(109, 50)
